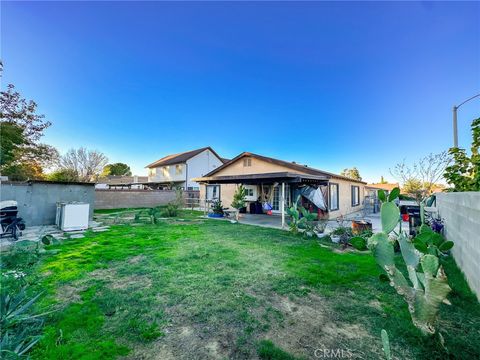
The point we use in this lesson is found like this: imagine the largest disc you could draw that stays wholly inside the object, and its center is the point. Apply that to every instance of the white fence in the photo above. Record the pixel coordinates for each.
(461, 213)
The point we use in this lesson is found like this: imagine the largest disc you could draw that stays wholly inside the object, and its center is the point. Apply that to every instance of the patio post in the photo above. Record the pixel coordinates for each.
(282, 204)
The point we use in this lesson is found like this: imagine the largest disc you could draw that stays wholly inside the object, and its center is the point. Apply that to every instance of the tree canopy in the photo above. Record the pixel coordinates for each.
(117, 169)
(352, 173)
(464, 173)
(86, 164)
(22, 155)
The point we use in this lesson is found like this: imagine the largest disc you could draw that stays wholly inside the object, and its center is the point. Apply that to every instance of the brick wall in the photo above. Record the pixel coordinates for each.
(116, 199)
(461, 213)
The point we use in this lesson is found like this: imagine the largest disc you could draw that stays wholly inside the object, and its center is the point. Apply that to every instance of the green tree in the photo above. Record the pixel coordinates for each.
(117, 169)
(414, 188)
(65, 175)
(23, 156)
(12, 140)
(464, 173)
(239, 198)
(352, 173)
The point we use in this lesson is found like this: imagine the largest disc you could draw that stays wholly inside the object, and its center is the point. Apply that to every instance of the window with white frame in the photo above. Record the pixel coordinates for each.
(152, 171)
(213, 192)
(247, 162)
(333, 197)
(355, 195)
(250, 192)
(166, 171)
(178, 169)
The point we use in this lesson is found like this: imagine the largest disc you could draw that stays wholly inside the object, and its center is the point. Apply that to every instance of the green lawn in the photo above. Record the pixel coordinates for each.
(200, 289)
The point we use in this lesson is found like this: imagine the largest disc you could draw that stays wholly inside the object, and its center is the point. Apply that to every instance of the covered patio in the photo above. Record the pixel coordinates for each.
(283, 188)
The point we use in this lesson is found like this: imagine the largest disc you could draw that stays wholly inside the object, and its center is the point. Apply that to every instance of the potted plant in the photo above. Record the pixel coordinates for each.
(319, 229)
(217, 209)
(337, 234)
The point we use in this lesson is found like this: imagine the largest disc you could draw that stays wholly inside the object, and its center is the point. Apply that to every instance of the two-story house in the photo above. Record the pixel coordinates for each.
(179, 169)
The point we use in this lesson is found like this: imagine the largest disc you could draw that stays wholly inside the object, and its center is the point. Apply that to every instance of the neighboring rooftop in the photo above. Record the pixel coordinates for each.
(384, 186)
(180, 158)
(291, 165)
(120, 180)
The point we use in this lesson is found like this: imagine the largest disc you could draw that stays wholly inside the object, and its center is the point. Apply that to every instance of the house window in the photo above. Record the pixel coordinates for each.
(355, 195)
(165, 171)
(178, 169)
(247, 162)
(152, 171)
(333, 198)
(250, 192)
(213, 192)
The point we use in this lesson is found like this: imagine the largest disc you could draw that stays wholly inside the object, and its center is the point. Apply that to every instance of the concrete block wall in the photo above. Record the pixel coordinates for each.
(37, 201)
(116, 199)
(461, 213)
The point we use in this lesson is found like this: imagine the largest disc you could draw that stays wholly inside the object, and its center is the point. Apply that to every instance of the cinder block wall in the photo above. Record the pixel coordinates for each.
(461, 212)
(37, 201)
(116, 199)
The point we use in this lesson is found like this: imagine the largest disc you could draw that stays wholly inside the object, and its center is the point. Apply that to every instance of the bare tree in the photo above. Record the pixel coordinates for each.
(426, 171)
(87, 164)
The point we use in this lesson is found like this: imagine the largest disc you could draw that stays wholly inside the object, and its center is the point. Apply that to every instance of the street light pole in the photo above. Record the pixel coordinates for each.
(455, 129)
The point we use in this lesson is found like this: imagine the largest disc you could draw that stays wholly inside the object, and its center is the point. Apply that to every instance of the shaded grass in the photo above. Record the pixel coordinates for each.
(140, 285)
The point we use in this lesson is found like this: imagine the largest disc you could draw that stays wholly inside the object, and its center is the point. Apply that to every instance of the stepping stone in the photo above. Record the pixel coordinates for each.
(77, 236)
(100, 230)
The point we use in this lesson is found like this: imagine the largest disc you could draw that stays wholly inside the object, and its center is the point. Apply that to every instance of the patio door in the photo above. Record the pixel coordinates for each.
(277, 193)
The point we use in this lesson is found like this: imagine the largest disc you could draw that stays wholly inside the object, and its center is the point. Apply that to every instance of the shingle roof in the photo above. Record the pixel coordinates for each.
(291, 165)
(180, 157)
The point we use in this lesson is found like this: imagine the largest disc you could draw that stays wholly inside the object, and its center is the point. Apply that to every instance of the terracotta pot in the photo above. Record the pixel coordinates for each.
(359, 226)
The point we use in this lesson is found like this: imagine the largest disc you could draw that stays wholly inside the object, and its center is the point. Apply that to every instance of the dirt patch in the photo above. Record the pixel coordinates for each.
(184, 342)
(103, 274)
(308, 326)
(134, 281)
(68, 294)
(136, 259)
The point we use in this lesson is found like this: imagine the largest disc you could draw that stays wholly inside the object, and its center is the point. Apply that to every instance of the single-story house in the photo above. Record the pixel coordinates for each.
(387, 187)
(279, 183)
(116, 182)
(178, 169)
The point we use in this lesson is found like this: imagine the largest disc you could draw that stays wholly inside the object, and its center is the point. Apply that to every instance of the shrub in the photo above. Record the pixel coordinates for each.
(20, 327)
(171, 210)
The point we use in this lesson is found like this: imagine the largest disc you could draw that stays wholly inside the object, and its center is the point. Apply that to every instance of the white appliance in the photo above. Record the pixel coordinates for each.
(72, 216)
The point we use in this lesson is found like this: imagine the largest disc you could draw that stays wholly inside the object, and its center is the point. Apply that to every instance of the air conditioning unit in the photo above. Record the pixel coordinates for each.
(72, 216)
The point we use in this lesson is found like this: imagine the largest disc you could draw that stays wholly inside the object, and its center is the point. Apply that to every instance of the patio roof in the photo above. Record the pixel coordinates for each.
(288, 177)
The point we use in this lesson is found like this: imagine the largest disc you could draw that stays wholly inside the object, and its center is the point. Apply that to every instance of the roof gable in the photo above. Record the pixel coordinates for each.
(279, 165)
(181, 157)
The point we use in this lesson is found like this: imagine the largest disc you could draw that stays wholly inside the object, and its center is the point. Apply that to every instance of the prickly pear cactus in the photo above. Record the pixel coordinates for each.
(426, 287)
(386, 345)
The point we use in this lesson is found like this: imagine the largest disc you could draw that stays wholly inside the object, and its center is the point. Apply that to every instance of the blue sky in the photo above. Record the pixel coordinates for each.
(332, 85)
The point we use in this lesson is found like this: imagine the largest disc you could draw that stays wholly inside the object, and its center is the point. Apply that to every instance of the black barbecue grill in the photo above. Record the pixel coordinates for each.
(11, 224)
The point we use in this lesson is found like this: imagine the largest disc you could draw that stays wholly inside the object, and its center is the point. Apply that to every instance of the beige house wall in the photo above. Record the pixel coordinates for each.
(226, 193)
(345, 197)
